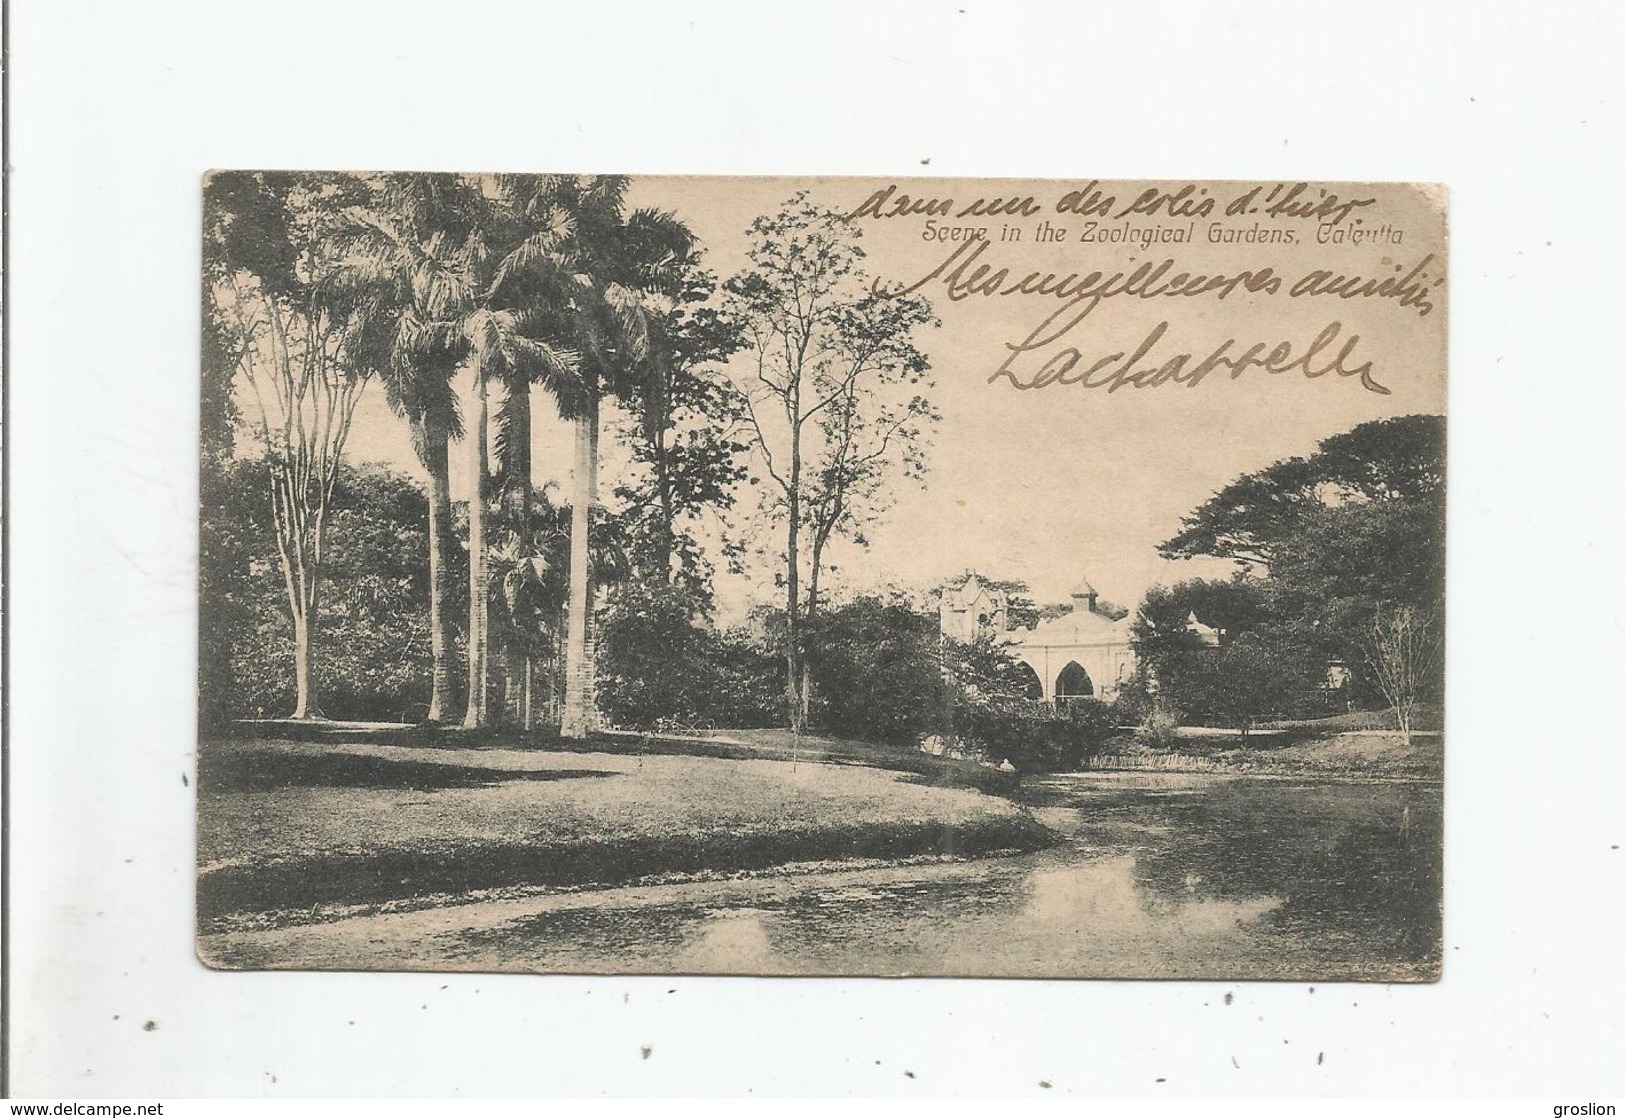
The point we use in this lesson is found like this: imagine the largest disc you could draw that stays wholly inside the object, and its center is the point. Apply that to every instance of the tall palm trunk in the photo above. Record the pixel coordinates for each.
(517, 471)
(579, 717)
(479, 627)
(436, 462)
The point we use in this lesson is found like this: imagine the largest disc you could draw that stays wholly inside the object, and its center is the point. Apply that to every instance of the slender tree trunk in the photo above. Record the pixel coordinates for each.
(579, 715)
(300, 556)
(479, 628)
(530, 713)
(792, 598)
(809, 650)
(436, 462)
(663, 537)
(793, 652)
(303, 666)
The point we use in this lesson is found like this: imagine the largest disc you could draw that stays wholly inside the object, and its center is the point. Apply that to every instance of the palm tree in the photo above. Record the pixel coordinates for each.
(536, 286)
(505, 349)
(563, 308)
(554, 271)
(411, 255)
(485, 274)
(427, 251)
(624, 264)
(529, 581)
(535, 279)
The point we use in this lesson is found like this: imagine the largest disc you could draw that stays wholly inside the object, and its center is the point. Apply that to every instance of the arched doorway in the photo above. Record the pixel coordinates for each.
(1073, 683)
(1031, 685)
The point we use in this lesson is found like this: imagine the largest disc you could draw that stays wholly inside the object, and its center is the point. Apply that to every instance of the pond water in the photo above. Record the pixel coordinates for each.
(1158, 875)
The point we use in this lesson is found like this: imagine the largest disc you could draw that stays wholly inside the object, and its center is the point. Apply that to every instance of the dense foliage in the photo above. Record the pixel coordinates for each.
(372, 630)
(661, 662)
(1329, 545)
(882, 672)
(875, 671)
(1033, 738)
(989, 708)
(833, 391)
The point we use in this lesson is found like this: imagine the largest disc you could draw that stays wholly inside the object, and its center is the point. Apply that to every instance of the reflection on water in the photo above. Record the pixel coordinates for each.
(1158, 876)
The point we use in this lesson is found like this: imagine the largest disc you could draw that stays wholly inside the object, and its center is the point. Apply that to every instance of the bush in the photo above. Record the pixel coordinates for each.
(1134, 701)
(660, 660)
(1034, 739)
(1158, 726)
(877, 671)
(371, 655)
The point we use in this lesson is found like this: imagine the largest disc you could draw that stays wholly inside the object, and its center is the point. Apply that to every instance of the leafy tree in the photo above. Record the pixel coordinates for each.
(683, 430)
(1345, 564)
(1403, 650)
(661, 660)
(881, 658)
(269, 258)
(1257, 674)
(372, 631)
(831, 388)
(1335, 541)
(220, 419)
(1250, 519)
(1161, 631)
(984, 668)
(1387, 459)
(1265, 662)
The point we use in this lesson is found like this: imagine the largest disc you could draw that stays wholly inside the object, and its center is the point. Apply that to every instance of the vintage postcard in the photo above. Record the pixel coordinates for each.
(822, 576)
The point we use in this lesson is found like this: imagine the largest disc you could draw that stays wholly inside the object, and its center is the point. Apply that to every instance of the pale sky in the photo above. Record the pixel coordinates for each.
(1058, 484)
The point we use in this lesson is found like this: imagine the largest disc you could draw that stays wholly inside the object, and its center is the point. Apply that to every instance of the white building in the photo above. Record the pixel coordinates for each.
(1083, 653)
(969, 609)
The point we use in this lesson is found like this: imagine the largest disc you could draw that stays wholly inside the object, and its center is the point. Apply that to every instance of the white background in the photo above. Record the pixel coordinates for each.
(118, 108)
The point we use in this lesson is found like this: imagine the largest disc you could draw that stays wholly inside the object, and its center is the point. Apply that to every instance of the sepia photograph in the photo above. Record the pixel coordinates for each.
(910, 553)
(822, 576)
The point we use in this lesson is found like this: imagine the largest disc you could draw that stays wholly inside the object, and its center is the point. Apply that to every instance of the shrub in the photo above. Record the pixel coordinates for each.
(1035, 739)
(876, 670)
(659, 659)
(1160, 722)
(371, 655)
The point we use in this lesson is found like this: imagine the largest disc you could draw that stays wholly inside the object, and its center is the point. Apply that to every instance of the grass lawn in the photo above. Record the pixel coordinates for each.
(1353, 753)
(287, 827)
(1374, 754)
(945, 771)
(1426, 717)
